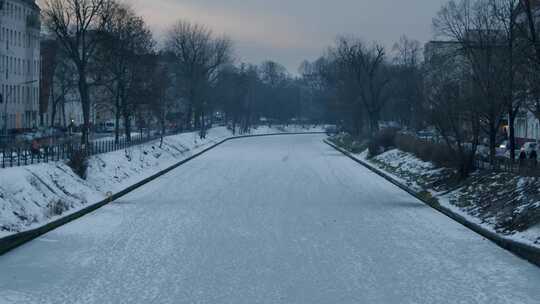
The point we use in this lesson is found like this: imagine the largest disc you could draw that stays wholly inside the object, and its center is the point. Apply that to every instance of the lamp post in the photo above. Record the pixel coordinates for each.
(5, 101)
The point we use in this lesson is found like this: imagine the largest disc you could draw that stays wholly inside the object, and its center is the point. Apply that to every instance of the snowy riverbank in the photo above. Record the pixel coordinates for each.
(33, 196)
(502, 203)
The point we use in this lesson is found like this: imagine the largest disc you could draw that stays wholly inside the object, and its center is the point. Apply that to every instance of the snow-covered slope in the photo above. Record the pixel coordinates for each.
(32, 196)
(502, 203)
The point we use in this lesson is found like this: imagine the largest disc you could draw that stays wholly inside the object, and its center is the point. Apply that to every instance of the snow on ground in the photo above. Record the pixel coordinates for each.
(501, 203)
(32, 196)
(405, 164)
(409, 170)
(404, 161)
(266, 220)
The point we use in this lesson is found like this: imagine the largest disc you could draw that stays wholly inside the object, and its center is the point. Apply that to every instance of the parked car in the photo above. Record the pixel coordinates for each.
(426, 135)
(28, 136)
(109, 127)
(502, 148)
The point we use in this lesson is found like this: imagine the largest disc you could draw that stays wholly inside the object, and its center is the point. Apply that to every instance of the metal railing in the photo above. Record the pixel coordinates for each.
(528, 167)
(16, 157)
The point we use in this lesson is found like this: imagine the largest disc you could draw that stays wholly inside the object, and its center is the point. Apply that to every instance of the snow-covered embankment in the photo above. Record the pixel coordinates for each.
(503, 205)
(35, 195)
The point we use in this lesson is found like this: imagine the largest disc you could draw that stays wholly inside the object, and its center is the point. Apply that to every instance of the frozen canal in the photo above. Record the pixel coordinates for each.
(266, 220)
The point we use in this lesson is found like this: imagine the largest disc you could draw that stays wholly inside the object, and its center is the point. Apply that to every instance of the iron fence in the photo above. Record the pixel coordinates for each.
(15, 157)
(529, 167)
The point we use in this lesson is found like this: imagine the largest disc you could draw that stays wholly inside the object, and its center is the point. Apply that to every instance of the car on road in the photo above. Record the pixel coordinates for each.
(427, 135)
(503, 148)
(109, 127)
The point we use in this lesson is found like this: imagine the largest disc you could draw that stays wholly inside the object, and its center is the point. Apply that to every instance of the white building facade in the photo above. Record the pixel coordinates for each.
(19, 64)
(527, 127)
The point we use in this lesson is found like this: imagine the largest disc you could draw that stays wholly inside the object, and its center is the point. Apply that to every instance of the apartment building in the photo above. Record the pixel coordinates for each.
(20, 28)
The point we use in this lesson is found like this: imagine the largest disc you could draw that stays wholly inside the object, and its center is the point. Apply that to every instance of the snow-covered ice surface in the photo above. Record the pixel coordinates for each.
(32, 196)
(266, 220)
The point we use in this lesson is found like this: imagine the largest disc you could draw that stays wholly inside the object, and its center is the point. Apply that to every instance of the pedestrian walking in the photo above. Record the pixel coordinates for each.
(34, 147)
(522, 159)
(534, 158)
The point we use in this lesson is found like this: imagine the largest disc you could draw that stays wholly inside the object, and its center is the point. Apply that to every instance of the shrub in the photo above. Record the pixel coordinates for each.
(386, 138)
(427, 151)
(382, 141)
(374, 149)
(442, 156)
(78, 162)
(406, 143)
(56, 208)
(359, 147)
(349, 143)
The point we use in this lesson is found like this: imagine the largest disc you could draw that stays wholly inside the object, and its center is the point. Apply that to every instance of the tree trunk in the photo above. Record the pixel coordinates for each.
(53, 115)
(374, 123)
(127, 125)
(189, 117)
(64, 120)
(512, 133)
(117, 117)
(492, 143)
(85, 102)
(197, 118)
(162, 120)
(53, 110)
(201, 124)
(466, 166)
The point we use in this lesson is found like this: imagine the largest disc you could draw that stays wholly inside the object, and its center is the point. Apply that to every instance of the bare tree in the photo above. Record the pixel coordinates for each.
(64, 84)
(364, 69)
(199, 55)
(511, 61)
(160, 92)
(230, 91)
(276, 97)
(49, 51)
(125, 40)
(75, 23)
(273, 73)
(342, 94)
(451, 103)
(406, 102)
(408, 52)
(529, 29)
(473, 24)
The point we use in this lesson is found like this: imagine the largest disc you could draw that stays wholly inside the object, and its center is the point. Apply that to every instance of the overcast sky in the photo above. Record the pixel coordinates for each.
(289, 31)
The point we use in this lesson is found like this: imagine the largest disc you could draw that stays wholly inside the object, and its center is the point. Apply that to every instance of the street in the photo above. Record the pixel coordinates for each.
(283, 219)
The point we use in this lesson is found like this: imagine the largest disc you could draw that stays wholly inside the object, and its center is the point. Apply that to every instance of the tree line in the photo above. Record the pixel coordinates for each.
(468, 85)
(475, 79)
(102, 52)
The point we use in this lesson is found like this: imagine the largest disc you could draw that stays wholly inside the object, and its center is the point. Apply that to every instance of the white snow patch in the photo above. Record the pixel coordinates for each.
(403, 161)
(35, 195)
